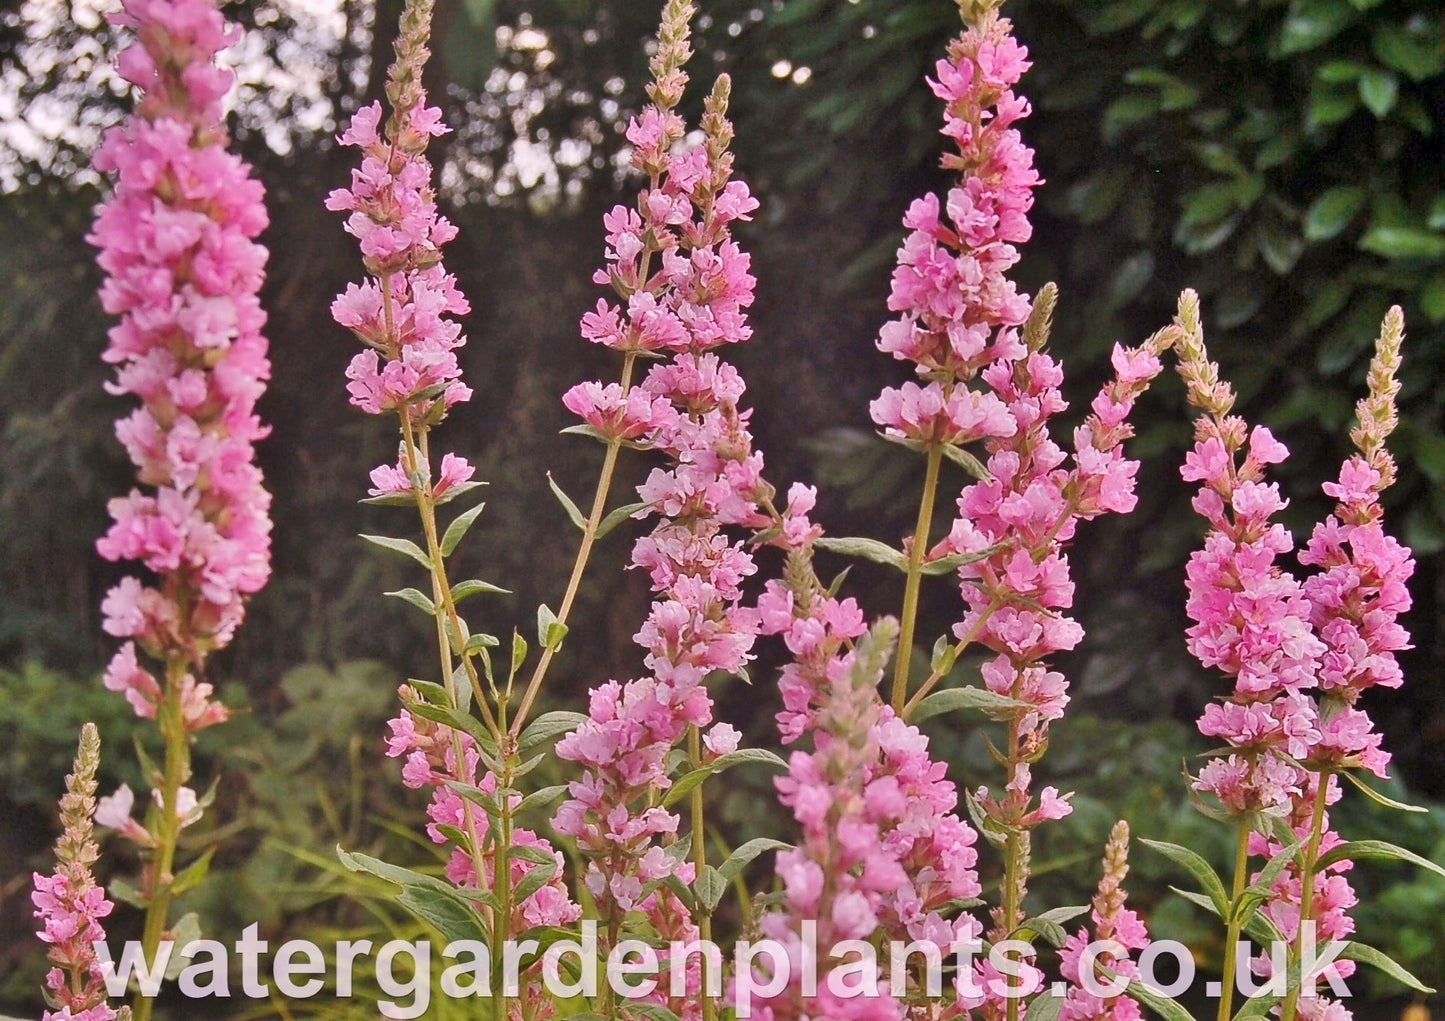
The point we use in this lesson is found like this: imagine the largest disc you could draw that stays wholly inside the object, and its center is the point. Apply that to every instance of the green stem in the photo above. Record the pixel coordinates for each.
(502, 887)
(579, 566)
(168, 827)
(1307, 886)
(1231, 938)
(1010, 903)
(446, 613)
(1014, 864)
(958, 650)
(699, 853)
(915, 578)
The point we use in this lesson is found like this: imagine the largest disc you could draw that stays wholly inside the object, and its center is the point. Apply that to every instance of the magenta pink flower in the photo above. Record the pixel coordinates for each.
(401, 314)
(1301, 653)
(182, 271)
(961, 319)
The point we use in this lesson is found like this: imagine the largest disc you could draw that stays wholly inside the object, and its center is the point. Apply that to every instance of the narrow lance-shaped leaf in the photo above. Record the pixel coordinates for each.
(458, 529)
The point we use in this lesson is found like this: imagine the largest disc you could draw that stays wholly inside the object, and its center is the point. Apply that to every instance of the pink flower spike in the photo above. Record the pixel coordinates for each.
(182, 270)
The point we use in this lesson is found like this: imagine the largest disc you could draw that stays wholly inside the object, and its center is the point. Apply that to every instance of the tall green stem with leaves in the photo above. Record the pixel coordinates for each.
(1232, 929)
(177, 771)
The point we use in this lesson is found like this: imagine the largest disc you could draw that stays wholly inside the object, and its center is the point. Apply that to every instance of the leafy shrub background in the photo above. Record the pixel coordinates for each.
(1283, 158)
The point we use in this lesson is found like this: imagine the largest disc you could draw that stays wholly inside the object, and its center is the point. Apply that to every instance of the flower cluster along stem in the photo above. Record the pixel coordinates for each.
(579, 565)
(168, 828)
(1307, 886)
(909, 617)
(1231, 938)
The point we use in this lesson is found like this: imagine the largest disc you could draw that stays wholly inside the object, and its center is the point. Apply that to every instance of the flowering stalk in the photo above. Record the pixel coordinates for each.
(1112, 922)
(962, 319)
(409, 367)
(960, 312)
(618, 414)
(71, 904)
(687, 408)
(884, 855)
(182, 270)
(1301, 653)
(1355, 602)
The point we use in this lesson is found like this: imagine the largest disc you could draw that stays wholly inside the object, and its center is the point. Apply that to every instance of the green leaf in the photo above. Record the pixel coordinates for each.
(1332, 212)
(1165, 1007)
(952, 562)
(709, 887)
(415, 598)
(1044, 1007)
(1258, 928)
(1403, 243)
(1378, 91)
(616, 517)
(548, 727)
(1432, 299)
(519, 652)
(651, 1011)
(1330, 104)
(193, 874)
(1418, 58)
(573, 511)
(458, 528)
(1376, 796)
(1366, 954)
(1197, 867)
(187, 929)
(1064, 915)
(1360, 850)
(455, 492)
(534, 880)
(457, 720)
(534, 855)
(430, 899)
(689, 780)
(390, 500)
(404, 546)
(1051, 932)
(126, 893)
(541, 798)
(1313, 23)
(1340, 72)
(945, 654)
(867, 549)
(952, 700)
(967, 462)
(1259, 891)
(550, 631)
(744, 855)
(472, 586)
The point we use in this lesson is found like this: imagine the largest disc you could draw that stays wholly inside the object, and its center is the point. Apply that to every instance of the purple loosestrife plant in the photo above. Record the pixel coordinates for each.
(883, 856)
(978, 347)
(71, 905)
(1301, 654)
(683, 307)
(508, 878)
(182, 270)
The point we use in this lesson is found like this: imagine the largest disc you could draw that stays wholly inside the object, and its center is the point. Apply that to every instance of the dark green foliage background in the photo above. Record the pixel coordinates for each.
(1283, 158)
